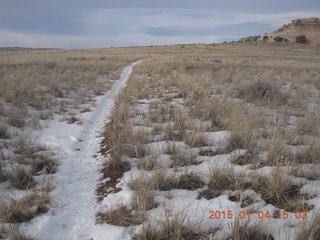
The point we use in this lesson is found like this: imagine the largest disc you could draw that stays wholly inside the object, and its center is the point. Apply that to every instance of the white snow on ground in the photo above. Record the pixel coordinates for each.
(72, 214)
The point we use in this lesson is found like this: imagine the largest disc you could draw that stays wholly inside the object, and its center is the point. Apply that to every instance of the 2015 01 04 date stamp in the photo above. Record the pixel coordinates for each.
(258, 215)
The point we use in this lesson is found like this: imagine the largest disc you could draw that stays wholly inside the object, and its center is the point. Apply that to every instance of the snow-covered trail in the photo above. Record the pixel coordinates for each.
(72, 215)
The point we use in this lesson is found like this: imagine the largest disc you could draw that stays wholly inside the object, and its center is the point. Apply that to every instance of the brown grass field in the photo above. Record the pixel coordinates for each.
(215, 120)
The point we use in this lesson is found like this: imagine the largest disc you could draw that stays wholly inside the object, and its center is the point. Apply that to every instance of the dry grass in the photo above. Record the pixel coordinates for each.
(163, 181)
(248, 158)
(310, 231)
(308, 155)
(2, 231)
(24, 209)
(21, 178)
(121, 216)
(195, 139)
(182, 158)
(142, 199)
(149, 162)
(20, 236)
(308, 125)
(278, 190)
(222, 179)
(277, 152)
(17, 117)
(175, 227)
(263, 92)
(44, 163)
(242, 231)
(187, 93)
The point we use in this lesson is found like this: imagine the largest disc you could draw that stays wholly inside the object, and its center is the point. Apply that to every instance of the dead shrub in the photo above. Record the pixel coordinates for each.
(3, 109)
(4, 134)
(17, 118)
(262, 92)
(3, 175)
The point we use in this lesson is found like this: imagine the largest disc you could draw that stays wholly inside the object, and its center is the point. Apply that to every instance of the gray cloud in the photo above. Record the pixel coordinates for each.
(96, 23)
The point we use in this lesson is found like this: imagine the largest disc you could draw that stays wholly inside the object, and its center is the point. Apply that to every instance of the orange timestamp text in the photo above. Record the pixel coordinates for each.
(259, 215)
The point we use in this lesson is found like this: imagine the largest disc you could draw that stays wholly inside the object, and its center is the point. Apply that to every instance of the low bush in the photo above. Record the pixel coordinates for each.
(262, 91)
(301, 39)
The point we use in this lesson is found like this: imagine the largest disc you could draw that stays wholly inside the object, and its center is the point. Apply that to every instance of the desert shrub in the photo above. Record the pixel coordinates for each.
(3, 175)
(17, 118)
(4, 134)
(301, 39)
(280, 39)
(262, 91)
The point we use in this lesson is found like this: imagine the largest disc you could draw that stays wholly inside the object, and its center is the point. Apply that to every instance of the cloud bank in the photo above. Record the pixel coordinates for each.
(90, 24)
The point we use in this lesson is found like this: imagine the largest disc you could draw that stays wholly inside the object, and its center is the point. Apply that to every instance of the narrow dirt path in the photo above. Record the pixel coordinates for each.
(72, 216)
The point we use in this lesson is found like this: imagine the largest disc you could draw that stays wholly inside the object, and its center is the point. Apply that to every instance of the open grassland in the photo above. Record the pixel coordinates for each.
(37, 86)
(228, 127)
(231, 127)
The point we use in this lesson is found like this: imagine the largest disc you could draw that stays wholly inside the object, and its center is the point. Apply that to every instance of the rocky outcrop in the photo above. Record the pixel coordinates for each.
(307, 27)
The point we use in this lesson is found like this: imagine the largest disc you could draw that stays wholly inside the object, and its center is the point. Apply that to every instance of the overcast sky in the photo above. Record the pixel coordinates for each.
(107, 23)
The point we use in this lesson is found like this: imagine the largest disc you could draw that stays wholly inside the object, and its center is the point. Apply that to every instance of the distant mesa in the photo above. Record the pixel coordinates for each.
(305, 31)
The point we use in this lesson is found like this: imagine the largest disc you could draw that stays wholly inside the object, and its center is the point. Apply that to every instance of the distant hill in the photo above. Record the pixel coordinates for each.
(24, 49)
(305, 30)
